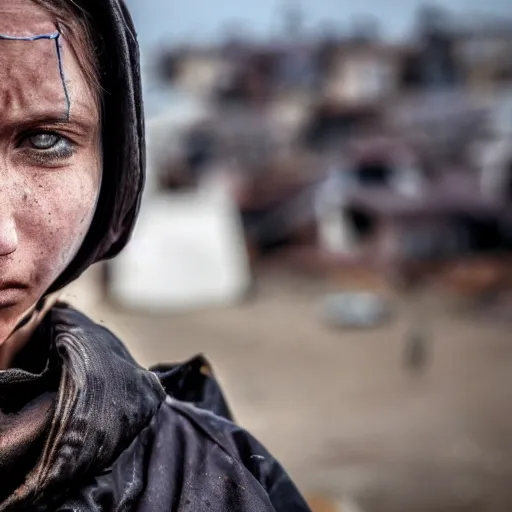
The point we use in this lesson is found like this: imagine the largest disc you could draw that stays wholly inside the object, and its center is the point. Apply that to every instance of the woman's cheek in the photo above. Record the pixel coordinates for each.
(65, 217)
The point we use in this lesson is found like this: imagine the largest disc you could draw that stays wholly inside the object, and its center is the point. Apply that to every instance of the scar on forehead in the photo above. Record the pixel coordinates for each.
(54, 36)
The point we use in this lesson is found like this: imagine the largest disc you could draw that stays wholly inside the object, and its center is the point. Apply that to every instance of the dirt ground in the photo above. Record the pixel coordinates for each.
(339, 408)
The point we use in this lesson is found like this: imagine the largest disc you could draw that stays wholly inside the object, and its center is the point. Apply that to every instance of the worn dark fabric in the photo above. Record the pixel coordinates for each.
(27, 399)
(111, 436)
(101, 401)
(194, 383)
(22, 438)
(190, 460)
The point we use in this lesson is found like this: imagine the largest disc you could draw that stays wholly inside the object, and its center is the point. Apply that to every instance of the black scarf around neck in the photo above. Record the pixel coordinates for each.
(82, 403)
(27, 405)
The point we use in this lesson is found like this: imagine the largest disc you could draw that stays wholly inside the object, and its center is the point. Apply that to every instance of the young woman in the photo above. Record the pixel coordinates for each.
(82, 426)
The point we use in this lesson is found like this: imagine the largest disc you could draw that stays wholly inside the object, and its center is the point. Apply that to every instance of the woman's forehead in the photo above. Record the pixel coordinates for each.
(30, 79)
(39, 73)
(24, 18)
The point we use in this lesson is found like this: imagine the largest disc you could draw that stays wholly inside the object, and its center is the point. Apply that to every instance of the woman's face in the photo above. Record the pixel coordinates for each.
(50, 165)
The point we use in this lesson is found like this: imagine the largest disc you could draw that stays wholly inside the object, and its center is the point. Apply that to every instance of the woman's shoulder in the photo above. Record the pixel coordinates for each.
(190, 454)
(211, 463)
(188, 458)
(192, 457)
(196, 412)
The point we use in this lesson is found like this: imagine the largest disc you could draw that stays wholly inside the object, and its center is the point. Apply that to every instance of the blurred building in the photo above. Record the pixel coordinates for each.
(417, 129)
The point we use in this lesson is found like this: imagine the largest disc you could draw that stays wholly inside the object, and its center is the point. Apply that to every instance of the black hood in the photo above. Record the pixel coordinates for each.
(122, 136)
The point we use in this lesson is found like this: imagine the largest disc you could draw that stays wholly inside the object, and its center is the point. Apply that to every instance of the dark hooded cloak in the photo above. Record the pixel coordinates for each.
(82, 426)
(122, 135)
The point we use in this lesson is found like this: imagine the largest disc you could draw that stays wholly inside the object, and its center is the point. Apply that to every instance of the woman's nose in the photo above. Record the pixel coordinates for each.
(8, 234)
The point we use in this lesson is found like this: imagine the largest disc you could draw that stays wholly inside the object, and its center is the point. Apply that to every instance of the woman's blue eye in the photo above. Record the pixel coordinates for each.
(47, 147)
(44, 141)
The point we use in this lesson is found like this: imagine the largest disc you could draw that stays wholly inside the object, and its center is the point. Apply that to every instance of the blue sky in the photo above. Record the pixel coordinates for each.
(203, 20)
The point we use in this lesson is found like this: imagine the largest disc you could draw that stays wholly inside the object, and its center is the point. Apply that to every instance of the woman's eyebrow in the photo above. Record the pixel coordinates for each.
(56, 118)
